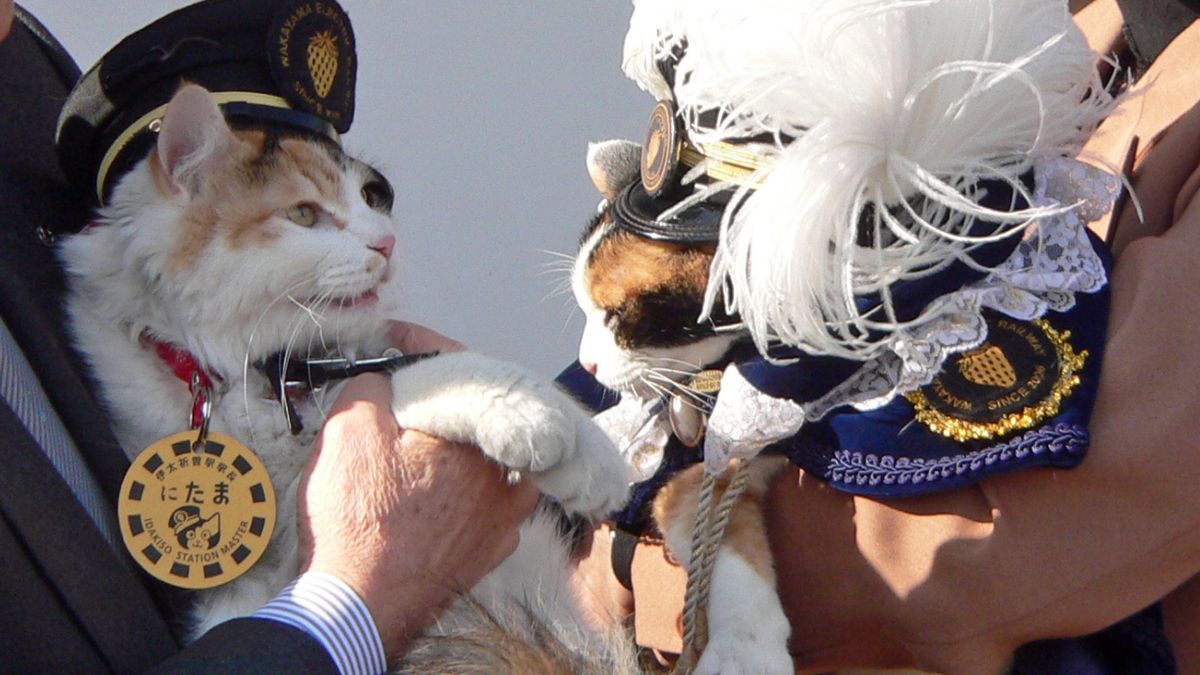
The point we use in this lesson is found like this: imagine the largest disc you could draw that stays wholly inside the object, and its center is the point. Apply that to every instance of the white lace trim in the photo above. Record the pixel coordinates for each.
(640, 430)
(1052, 263)
(744, 420)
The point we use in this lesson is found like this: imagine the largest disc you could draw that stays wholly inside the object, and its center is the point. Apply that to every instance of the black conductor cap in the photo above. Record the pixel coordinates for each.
(276, 63)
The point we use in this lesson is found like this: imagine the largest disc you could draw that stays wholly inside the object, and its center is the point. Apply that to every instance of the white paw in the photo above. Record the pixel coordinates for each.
(743, 653)
(517, 419)
(525, 429)
(747, 629)
(592, 481)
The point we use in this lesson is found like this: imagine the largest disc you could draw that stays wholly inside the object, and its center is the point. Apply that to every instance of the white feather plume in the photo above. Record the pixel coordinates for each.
(890, 102)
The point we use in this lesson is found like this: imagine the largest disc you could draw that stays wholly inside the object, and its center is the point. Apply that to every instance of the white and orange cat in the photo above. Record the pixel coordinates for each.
(233, 245)
(641, 299)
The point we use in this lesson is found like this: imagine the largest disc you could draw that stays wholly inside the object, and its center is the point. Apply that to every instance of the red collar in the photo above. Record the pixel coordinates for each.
(186, 368)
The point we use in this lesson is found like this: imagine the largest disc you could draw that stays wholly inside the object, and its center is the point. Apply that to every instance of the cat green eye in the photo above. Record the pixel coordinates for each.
(303, 215)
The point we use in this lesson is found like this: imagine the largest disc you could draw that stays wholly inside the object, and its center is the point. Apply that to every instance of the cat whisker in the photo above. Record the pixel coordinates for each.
(674, 371)
(694, 368)
(562, 288)
(312, 313)
(573, 309)
(654, 387)
(556, 254)
(557, 266)
(690, 397)
(284, 294)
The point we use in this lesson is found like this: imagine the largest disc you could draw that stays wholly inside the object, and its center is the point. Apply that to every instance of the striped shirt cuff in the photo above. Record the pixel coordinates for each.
(326, 608)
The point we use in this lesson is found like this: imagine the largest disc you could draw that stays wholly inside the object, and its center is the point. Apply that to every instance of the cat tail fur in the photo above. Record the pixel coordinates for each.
(523, 618)
(515, 641)
(867, 105)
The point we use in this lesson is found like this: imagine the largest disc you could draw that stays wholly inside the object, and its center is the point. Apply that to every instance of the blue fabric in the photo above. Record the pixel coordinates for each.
(886, 453)
(1135, 646)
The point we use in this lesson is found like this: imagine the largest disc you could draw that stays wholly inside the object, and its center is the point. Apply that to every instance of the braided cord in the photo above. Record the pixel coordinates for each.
(708, 532)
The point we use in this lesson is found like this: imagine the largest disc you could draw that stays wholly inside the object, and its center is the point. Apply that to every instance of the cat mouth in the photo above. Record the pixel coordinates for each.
(368, 297)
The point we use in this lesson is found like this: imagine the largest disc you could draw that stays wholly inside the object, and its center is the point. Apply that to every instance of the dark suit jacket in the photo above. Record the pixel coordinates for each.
(68, 602)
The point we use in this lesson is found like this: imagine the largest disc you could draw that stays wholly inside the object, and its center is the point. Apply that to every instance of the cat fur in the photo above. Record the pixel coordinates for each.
(642, 300)
(195, 249)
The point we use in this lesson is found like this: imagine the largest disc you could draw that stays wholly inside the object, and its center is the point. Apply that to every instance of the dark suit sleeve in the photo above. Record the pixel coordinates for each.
(251, 646)
(67, 605)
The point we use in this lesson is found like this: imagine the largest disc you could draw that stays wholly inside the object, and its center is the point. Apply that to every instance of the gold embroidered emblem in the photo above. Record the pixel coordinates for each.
(988, 366)
(312, 59)
(1011, 383)
(196, 516)
(323, 61)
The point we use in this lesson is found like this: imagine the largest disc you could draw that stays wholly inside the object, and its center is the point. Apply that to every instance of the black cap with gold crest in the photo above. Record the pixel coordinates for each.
(674, 166)
(277, 63)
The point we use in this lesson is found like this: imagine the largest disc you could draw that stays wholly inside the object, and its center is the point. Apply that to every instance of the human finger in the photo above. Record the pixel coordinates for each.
(413, 338)
(371, 389)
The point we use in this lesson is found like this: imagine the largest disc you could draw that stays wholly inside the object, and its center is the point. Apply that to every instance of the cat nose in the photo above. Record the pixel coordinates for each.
(590, 367)
(384, 246)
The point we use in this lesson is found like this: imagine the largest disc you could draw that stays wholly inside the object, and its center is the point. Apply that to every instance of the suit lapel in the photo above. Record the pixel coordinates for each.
(112, 607)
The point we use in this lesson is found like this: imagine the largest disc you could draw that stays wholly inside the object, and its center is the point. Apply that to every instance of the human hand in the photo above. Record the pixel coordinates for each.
(6, 17)
(406, 519)
(413, 338)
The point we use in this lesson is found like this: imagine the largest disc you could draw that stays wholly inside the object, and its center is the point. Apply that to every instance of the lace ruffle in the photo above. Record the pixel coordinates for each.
(1053, 262)
(744, 421)
(640, 430)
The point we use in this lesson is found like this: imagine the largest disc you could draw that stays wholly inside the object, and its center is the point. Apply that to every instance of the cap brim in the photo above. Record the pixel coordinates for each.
(638, 212)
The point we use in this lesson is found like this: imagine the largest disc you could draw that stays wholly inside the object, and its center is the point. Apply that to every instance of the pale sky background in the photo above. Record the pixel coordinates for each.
(479, 111)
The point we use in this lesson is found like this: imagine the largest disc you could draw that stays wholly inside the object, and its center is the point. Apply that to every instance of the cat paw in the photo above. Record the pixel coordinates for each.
(518, 420)
(526, 429)
(593, 481)
(741, 653)
(748, 631)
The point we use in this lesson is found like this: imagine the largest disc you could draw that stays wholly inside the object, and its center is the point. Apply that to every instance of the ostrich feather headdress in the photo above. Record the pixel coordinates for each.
(876, 130)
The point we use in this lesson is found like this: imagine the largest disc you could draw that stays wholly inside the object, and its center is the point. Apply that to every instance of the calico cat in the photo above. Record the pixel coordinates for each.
(641, 299)
(233, 245)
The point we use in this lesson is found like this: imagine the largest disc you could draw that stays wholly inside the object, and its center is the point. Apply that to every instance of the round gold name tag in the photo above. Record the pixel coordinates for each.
(196, 518)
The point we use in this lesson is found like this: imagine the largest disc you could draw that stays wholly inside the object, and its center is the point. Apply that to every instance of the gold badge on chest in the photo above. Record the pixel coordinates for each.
(1012, 382)
(196, 514)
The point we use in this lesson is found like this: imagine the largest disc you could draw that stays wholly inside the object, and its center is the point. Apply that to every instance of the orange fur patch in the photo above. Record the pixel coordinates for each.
(625, 266)
(746, 533)
(250, 184)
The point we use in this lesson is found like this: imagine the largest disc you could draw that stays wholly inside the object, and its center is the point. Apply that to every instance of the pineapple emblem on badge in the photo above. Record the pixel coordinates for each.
(988, 366)
(323, 61)
(1007, 385)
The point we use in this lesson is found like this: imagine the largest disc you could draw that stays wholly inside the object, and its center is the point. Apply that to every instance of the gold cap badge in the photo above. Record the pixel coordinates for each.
(660, 153)
(313, 59)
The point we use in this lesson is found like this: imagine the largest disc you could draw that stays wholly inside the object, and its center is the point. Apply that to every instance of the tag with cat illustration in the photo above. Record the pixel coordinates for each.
(196, 514)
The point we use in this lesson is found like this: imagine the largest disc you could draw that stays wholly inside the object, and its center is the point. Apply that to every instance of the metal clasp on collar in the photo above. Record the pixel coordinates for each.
(301, 377)
(201, 412)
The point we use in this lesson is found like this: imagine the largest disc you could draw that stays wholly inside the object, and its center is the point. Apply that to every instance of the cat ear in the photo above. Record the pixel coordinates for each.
(193, 133)
(613, 165)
